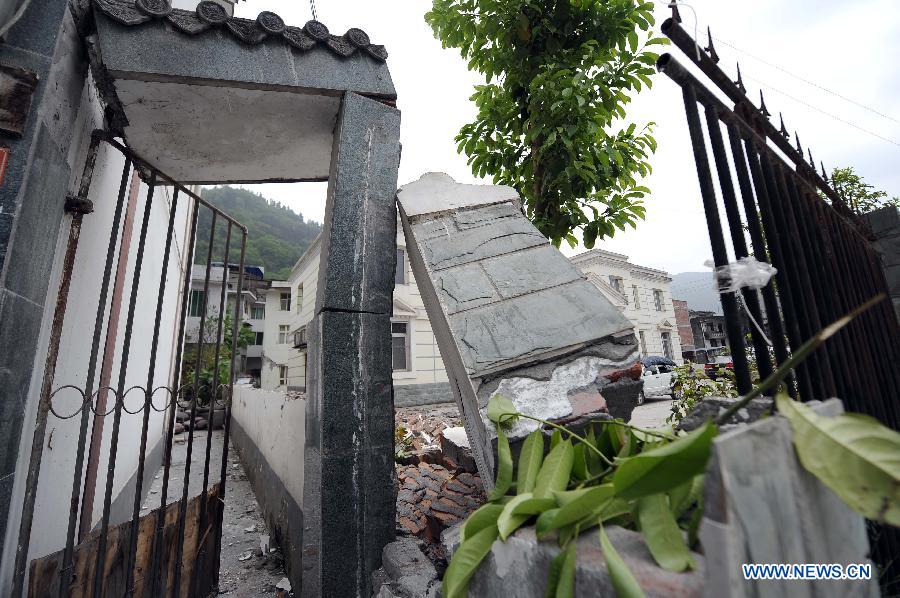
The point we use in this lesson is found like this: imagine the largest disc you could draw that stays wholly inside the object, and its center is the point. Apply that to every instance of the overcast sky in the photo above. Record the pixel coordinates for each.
(804, 54)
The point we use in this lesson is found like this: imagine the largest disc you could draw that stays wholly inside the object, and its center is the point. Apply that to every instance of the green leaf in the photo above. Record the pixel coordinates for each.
(856, 456)
(465, 562)
(579, 463)
(554, 573)
(504, 466)
(555, 439)
(499, 407)
(486, 515)
(662, 534)
(555, 471)
(565, 587)
(541, 526)
(665, 466)
(508, 522)
(623, 581)
(585, 504)
(530, 458)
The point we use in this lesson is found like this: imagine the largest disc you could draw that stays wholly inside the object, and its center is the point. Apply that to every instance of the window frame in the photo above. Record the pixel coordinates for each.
(299, 297)
(407, 336)
(637, 296)
(285, 299)
(259, 338)
(193, 306)
(253, 311)
(658, 300)
(284, 334)
(400, 268)
(283, 375)
(642, 343)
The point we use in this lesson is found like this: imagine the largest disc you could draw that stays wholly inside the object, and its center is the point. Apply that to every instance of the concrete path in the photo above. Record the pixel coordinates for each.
(652, 414)
(245, 571)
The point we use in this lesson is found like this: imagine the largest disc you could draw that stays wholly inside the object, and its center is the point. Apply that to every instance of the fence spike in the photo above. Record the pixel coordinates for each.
(824, 173)
(676, 16)
(762, 105)
(811, 161)
(740, 81)
(783, 130)
(799, 147)
(711, 49)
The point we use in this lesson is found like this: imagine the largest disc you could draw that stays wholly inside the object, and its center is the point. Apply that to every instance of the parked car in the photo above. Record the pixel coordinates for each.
(657, 378)
(719, 366)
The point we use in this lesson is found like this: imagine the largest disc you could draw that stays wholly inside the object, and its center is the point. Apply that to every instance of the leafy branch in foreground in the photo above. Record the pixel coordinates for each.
(551, 116)
(614, 474)
(617, 474)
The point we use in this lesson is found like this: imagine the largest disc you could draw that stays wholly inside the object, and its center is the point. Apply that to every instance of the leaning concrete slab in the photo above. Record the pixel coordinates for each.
(511, 315)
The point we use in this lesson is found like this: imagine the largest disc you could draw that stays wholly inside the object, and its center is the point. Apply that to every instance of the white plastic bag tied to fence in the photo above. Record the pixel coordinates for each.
(746, 273)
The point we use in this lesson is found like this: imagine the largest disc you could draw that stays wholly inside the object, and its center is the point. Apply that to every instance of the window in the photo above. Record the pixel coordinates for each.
(658, 299)
(283, 334)
(258, 312)
(299, 297)
(259, 339)
(637, 296)
(300, 337)
(282, 375)
(400, 346)
(617, 284)
(666, 344)
(285, 302)
(197, 303)
(400, 273)
(643, 343)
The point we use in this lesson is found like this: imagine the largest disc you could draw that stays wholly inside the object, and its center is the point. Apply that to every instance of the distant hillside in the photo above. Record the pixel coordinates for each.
(697, 289)
(276, 235)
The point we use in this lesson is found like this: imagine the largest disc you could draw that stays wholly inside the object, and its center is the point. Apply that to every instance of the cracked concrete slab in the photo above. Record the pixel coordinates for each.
(511, 314)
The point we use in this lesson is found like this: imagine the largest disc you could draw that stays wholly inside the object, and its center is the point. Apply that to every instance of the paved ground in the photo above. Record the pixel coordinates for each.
(652, 414)
(245, 571)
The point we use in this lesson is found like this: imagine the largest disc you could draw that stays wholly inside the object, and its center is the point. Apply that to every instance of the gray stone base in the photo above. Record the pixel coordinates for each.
(414, 395)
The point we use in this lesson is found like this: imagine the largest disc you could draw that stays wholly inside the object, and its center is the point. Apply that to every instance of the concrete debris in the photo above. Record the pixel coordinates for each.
(712, 407)
(250, 529)
(284, 585)
(264, 543)
(406, 572)
(246, 556)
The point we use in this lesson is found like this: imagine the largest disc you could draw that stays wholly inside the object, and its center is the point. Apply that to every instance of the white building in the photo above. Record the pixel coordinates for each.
(418, 369)
(643, 294)
(253, 311)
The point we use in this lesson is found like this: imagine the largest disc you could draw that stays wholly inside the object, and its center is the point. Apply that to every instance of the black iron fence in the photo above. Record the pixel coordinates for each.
(172, 550)
(779, 209)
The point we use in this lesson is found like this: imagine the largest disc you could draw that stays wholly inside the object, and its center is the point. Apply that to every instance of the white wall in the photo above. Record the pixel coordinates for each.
(57, 469)
(599, 265)
(427, 367)
(277, 426)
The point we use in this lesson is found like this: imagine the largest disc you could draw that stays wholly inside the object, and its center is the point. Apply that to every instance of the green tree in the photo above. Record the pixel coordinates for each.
(861, 196)
(551, 114)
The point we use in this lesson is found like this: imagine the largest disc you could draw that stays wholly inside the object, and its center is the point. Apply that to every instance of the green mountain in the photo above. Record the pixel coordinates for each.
(276, 235)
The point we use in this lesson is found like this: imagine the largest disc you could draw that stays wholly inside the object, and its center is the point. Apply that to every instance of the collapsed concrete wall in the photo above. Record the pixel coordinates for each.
(511, 314)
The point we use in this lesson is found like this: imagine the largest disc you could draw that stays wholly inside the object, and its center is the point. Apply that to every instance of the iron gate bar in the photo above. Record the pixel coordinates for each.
(758, 243)
(89, 384)
(157, 561)
(738, 243)
(717, 240)
(40, 428)
(182, 511)
(215, 391)
(45, 408)
(234, 346)
(684, 42)
(148, 401)
(120, 394)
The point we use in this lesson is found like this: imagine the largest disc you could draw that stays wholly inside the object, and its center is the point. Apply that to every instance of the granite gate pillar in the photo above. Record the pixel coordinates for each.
(349, 492)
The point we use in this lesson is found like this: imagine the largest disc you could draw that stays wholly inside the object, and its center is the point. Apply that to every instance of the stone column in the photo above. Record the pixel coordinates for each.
(349, 491)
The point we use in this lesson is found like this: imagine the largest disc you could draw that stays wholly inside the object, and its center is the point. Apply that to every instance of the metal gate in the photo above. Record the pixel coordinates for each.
(795, 220)
(172, 550)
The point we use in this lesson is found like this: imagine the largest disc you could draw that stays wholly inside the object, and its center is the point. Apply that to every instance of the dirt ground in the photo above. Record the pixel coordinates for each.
(245, 571)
